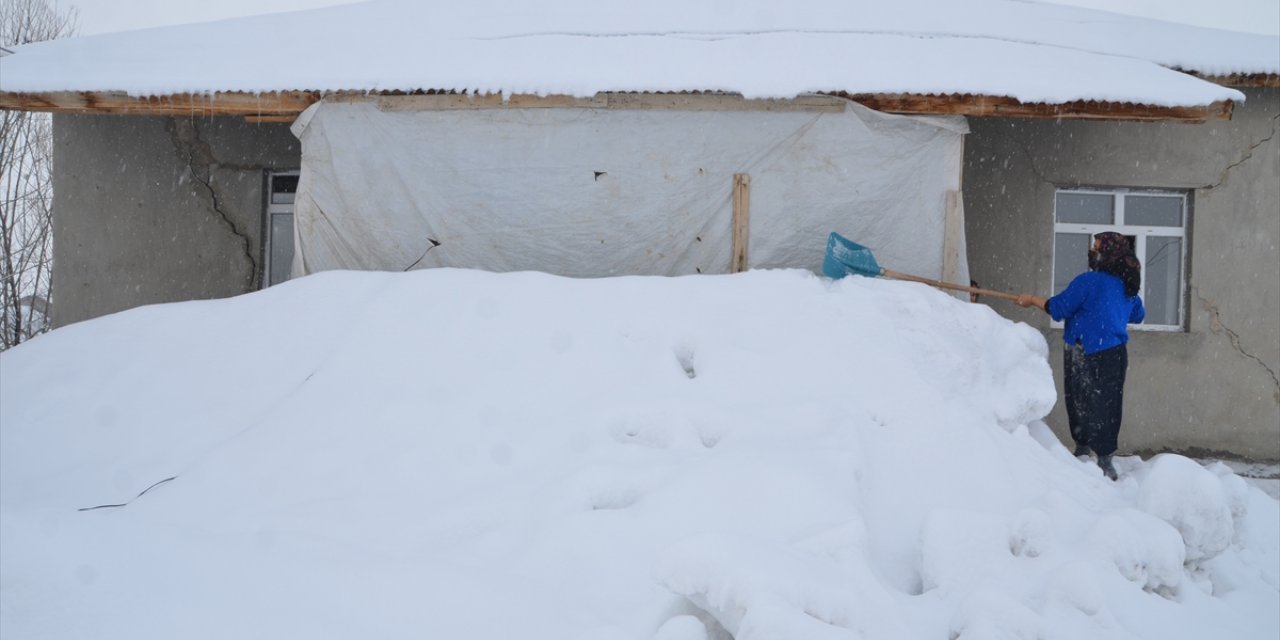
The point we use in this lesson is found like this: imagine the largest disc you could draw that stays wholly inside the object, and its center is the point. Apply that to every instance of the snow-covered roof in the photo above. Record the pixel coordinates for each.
(1029, 51)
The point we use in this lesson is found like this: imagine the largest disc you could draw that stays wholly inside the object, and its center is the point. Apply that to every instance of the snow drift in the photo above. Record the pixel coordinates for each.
(459, 454)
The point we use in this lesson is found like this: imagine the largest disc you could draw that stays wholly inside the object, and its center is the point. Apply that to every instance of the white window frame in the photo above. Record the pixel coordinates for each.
(1140, 234)
(270, 212)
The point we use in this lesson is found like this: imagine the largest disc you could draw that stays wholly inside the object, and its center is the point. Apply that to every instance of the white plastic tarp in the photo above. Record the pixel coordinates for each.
(589, 192)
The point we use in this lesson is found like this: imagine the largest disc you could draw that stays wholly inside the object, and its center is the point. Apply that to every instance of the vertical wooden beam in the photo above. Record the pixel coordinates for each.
(955, 265)
(741, 221)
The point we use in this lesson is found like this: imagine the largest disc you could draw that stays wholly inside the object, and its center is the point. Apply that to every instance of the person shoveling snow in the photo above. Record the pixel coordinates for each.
(460, 454)
(1097, 308)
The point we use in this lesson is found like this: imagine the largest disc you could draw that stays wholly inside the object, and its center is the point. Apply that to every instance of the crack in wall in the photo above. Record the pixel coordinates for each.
(200, 161)
(1031, 162)
(1248, 155)
(1016, 139)
(1216, 325)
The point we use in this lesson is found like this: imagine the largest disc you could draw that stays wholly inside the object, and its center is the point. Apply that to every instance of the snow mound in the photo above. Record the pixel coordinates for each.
(1145, 550)
(452, 453)
(1193, 500)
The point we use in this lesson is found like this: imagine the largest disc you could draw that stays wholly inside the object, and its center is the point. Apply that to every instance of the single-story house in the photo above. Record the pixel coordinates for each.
(956, 138)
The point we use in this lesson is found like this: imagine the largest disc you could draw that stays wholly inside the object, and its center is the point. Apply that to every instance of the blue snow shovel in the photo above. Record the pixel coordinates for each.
(846, 257)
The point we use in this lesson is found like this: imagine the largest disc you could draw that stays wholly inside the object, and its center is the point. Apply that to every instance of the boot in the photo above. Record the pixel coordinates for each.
(1082, 450)
(1109, 470)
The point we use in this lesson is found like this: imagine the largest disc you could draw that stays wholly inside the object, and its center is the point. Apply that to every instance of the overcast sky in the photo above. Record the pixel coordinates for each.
(101, 16)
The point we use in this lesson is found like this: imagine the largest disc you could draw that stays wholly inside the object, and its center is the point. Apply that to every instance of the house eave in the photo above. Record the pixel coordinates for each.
(222, 103)
(284, 105)
(984, 106)
(1240, 80)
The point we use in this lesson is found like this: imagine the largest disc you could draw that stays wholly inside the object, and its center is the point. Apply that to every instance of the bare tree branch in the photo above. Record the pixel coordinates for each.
(26, 186)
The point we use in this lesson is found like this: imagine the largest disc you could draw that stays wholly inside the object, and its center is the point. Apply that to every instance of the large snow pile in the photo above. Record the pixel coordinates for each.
(458, 454)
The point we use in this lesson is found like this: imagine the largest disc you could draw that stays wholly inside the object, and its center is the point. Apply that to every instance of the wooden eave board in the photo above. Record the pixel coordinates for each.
(282, 105)
(1240, 80)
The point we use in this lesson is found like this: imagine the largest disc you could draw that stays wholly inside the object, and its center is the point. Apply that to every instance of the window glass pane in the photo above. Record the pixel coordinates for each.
(1153, 211)
(281, 247)
(283, 188)
(1163, 267)
(1086, 208)
(1070, 258)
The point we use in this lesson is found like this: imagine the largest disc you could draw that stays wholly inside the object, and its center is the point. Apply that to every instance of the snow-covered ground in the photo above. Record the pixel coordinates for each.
(459, 454)
(1261, 475)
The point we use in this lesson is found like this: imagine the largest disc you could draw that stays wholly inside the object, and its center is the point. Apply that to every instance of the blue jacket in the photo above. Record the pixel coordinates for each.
(1096, 311)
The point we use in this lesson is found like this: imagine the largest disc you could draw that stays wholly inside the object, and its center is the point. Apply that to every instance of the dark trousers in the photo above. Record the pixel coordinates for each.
(1094, 390)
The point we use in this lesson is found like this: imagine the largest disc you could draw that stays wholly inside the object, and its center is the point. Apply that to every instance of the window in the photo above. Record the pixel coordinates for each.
(277, 232)
(1154, 221)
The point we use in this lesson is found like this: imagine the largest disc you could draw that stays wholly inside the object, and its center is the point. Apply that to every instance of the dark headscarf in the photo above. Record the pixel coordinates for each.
(1115, 256)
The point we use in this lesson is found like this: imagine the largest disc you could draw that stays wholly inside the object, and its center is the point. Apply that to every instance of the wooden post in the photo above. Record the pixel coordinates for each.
(741, 221)
(954, 263)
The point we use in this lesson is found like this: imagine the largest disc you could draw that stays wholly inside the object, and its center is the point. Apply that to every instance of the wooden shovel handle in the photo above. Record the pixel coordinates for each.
(947, 285)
